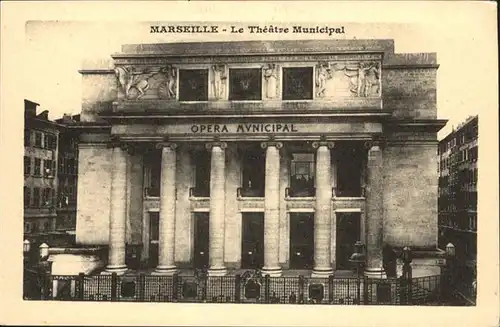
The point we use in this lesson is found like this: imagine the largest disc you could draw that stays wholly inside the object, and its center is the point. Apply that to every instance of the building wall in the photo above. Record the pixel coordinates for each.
(94, 192)
(410, 196)
(410, 92)
(98, 91)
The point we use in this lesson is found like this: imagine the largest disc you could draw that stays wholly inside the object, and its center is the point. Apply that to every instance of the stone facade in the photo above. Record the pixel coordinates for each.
(343, 155)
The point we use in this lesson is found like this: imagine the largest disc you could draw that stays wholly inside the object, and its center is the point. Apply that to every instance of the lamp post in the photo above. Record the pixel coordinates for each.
(450, 267)
(358, 259)
(407, 273)
(26, 251)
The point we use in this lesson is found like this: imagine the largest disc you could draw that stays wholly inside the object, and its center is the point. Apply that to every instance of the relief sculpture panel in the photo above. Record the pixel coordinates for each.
(271, 78)
(147, 83)
(348, 79)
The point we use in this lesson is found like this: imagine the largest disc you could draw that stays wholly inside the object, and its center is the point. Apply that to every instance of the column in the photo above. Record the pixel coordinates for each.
(166, 262)
(374, 211)
(118, 211)
(272, 209)
(217, 204)
(323, 211)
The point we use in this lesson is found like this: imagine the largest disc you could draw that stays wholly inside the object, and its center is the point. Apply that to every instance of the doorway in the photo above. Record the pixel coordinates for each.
(201, 240)
(348, 233)
(252, 240)
(301, 240)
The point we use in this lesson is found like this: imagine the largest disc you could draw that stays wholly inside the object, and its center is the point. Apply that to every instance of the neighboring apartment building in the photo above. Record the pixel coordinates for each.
(67, 175)
(40, 174)
(47, 145)
(458, 160)
(275, 155)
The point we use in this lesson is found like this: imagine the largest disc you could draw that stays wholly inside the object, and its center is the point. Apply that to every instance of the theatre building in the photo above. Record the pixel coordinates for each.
(277, 155)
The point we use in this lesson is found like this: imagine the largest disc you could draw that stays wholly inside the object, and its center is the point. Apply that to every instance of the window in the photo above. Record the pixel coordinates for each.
(297, 83)
(302, 175)
(36, 197)
(27, 137)
(27, 196)
(254, 173)
(47, 168)
(38, 139)
(201, 174)
(27, 227)
(27, 165)
(350, 161)
(38, 167)
(245, 84)
(50, 141)
(152, 165)
(46, 141)
(193, 85)
(47, 197)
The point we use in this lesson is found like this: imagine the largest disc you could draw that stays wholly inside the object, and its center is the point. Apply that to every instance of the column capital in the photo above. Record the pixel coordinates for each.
(116, 143)
(170, 145)
(219, 144)
(317, 144)
(379, 143)
(265, 145)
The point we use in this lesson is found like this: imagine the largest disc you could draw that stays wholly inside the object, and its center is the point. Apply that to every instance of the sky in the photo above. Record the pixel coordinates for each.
(55, 51)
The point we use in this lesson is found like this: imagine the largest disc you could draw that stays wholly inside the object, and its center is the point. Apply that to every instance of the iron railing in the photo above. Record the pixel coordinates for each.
(246, 288)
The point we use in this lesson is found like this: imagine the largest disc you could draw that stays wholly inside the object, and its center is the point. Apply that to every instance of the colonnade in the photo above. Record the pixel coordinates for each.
(323, 209)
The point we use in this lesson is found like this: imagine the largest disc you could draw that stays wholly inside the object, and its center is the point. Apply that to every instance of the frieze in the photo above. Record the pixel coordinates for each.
(348, 78)
(158, 60)
(134, 81)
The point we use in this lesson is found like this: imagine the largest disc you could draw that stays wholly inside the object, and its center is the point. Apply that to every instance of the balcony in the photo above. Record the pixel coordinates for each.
(199, 192)
(302, 192)
(246, 192)
(153, 192)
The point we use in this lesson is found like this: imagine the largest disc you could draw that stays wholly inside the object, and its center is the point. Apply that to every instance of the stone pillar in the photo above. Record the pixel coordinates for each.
(166, 261)
(118, 211)
(217, 208)
(374, 211)
(272, 209)
(323, 212)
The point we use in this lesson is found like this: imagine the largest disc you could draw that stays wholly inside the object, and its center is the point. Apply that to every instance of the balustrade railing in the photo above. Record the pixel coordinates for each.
(249, 287)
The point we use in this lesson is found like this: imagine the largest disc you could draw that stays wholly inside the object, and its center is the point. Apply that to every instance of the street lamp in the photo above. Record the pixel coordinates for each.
(26, 251)
(358, 259)
(450, 250)
(26, 246)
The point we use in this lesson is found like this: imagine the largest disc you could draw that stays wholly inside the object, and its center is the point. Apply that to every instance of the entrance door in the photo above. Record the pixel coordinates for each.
(301, 240)
(201, 239)
(348, 233)
(252, 241)
(154, 232)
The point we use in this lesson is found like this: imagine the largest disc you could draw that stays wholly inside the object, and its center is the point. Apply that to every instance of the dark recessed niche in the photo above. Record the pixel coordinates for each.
(193, 84)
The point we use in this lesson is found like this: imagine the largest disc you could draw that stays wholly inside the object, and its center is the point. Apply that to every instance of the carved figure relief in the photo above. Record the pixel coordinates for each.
(129, 78)
(322, 76)
(363, 78)
(270, 73)
(359, 79)
(219, 78)
(168, 88)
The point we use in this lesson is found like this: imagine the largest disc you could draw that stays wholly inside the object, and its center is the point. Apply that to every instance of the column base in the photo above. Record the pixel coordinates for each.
(378, 273)
(322, 272)
(272, 271)
(165, 270)
(119, 270)
(217, 271)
